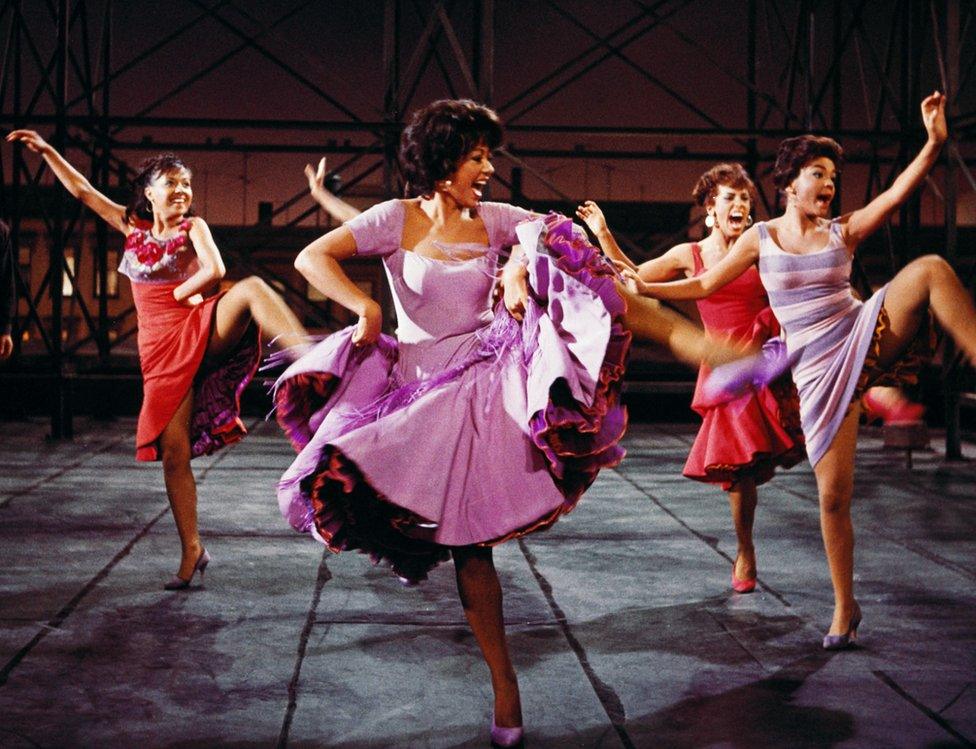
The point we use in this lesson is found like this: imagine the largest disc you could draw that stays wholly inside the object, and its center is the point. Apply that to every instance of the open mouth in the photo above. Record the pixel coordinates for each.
(478, 188)
(737, 220)
(824, 199)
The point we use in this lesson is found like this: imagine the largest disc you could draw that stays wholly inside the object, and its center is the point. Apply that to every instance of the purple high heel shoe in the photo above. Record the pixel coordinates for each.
(178, 583)
(733, 379)
(506, 737)
(844, 641)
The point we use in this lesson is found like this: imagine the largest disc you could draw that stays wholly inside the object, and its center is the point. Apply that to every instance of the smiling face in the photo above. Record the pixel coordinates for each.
(813, 189)
(730, 207)
(170, 193)
(466, 184)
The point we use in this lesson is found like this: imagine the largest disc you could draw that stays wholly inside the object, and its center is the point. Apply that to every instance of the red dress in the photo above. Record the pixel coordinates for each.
(172, 342)
(752, 434)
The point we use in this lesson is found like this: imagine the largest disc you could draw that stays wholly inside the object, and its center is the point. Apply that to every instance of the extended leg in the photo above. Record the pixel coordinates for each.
(252, 299)
(647, 319)
(928, 283)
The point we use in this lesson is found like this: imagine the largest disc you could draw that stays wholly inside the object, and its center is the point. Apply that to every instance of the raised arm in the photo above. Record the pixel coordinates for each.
(744, 252)
(73, 180)
(336, 207)
(861, 223)
(591, 215)
(319, 264)
(211, 265)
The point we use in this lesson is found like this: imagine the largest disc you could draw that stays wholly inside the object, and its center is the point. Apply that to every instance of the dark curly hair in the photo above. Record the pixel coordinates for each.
(795, 153)
(439, 136)
(138, 208)
(732, 175)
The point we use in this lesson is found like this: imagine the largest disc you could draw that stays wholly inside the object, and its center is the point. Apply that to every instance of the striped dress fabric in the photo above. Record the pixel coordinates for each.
(827, 329)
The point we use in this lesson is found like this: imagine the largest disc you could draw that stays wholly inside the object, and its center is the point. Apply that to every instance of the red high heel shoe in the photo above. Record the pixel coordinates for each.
(899, 411)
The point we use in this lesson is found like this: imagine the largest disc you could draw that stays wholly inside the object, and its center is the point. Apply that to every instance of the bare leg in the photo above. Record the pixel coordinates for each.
(252, 299)
(481, 598)
(650, 321)
(181, 487)
(742, 501)
(835, 484)
(928, 283)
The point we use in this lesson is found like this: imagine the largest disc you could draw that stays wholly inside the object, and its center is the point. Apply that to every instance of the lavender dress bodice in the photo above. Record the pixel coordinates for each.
(440, 303)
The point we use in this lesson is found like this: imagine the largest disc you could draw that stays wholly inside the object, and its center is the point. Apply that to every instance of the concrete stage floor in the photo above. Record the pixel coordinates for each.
(622, 623)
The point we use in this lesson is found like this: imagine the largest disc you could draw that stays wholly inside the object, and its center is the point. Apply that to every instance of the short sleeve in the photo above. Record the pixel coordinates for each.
(500, 222)
(378, 230)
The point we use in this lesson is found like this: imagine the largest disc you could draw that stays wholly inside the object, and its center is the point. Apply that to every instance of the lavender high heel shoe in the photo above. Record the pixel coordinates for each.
(844, 641)
(506, 737)
(732, 379)
(178, 583)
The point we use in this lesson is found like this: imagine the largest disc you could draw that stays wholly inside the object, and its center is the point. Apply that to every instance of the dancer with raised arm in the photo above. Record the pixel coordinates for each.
(197, 355)
(743, 438)
(838, 344)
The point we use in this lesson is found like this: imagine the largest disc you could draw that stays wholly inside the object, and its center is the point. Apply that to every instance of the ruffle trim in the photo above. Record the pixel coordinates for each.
(904, 371)
(579, 439)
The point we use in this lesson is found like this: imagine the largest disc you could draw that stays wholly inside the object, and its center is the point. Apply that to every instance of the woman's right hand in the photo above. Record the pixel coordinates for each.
(591, 215)
(369, 326)
(30, 138)
(631, 280)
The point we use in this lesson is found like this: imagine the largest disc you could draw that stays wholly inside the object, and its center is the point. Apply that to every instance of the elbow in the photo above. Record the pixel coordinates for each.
(216, 272)
(302, 262)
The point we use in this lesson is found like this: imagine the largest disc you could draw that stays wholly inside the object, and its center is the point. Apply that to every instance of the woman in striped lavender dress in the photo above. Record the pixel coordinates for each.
(838, 345)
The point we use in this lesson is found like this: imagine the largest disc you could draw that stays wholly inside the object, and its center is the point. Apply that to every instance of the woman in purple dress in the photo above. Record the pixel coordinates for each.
(838, 345)
(472, 427)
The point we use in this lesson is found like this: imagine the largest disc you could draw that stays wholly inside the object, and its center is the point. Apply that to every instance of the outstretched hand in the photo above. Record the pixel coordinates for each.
(29, 138)
(591, 215)
(934, 118)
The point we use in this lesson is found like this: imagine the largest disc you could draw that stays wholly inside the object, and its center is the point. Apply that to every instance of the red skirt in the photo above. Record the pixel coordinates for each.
(172, 340)
(749, 436)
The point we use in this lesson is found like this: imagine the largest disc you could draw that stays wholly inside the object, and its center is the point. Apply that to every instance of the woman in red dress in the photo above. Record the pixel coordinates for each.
(742, 438)
(197, 355)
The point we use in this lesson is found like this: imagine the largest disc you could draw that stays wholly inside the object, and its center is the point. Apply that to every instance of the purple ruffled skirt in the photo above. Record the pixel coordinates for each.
(498, 445)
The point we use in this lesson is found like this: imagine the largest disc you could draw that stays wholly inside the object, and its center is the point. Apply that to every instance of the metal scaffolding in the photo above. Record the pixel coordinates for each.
(849, 69)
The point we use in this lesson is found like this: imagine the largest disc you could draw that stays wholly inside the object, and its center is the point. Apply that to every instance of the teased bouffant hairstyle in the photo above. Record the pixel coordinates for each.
(795, 153)
(139, 207)
(731, 175)
(439, 136)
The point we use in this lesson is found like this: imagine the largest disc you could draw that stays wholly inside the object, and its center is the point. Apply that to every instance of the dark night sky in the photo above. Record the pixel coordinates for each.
(699, 51)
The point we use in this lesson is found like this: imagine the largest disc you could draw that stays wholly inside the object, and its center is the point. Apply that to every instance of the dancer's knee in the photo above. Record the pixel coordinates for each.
(835, 499)
(175, 455)
(254, 287)
(933, 267)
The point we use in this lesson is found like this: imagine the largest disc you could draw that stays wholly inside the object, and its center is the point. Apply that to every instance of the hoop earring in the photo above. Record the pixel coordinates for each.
(709, 221)
(748, 220)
